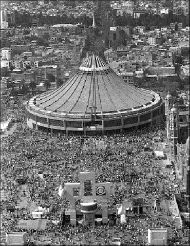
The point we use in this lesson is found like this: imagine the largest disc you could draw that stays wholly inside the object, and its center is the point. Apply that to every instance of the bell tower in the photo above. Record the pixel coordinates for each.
(173, 129)
(168, 105)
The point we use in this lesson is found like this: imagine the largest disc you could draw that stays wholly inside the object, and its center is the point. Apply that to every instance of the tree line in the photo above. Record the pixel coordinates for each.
(152, 20)
(27, 20)
(146, 19)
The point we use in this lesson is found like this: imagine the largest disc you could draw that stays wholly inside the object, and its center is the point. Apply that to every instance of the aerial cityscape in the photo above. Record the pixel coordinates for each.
(95, 122)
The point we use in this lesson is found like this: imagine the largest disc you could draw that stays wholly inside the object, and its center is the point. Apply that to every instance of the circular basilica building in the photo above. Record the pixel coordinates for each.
(94, 99)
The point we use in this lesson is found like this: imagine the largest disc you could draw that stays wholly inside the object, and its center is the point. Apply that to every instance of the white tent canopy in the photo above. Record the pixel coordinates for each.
(4, 125)
(159, 153)
(167, 163)
(123, 219)
(120, 210)
(37, 214)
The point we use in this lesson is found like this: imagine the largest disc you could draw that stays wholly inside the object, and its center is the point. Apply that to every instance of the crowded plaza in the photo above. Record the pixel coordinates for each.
(35, 163)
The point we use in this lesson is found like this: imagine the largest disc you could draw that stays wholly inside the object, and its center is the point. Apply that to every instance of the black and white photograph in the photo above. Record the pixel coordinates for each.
(95, 123)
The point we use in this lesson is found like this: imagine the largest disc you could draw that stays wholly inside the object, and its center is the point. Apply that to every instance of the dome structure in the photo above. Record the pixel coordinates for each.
(95, 98)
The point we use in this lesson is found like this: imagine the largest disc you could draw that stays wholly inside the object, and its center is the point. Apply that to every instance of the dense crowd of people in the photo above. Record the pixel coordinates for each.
(41, 161)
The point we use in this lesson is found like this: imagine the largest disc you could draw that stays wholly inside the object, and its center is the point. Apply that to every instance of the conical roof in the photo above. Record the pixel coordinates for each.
(94, 87)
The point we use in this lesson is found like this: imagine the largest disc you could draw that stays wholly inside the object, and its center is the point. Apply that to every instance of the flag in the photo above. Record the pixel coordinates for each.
(55, 222)
(120, 210)
(60, 192)
(41, 175)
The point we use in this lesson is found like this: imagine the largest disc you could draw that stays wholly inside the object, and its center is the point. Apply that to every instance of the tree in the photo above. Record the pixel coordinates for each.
(46, 36)
(50, 77)
(13, 92)
(177, 62)
(26, 31)
(42, 42)
(4, 72)
(47, 84)
(173, 93)
(122, 35)
(24, 89)
(59, 82)
(32, 86)
(11, 84)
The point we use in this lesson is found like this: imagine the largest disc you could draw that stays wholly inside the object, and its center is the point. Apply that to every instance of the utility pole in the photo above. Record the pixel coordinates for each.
(157, 7)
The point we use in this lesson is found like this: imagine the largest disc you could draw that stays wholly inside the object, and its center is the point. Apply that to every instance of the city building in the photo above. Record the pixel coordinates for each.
(126, 7)
(4, 22)
(157, 236)
(128, 77)
(17, 238)
(90, 195)
(152, 40)
(6, 54)
(5, 57)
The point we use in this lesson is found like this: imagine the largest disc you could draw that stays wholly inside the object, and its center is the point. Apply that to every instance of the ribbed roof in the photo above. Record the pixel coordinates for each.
(93, 63)
(94, 87)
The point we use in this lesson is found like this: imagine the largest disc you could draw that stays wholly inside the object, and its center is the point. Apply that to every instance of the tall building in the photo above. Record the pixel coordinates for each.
(177, 117)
